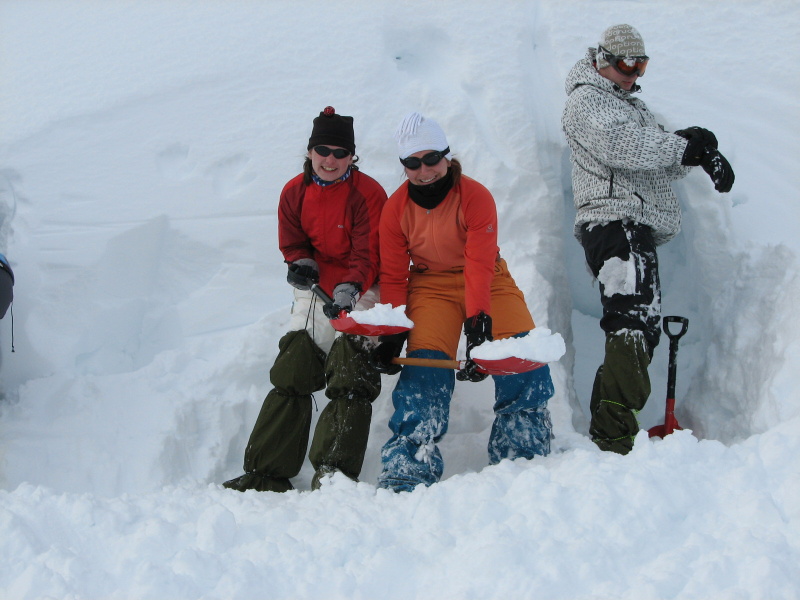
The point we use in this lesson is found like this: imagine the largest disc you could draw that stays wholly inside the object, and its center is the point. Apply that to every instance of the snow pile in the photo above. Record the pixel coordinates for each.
(540, 345)
(143, 150)
(383, 314)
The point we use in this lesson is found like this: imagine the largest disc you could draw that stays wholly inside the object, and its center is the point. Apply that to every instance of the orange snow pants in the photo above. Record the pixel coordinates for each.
(437, 307)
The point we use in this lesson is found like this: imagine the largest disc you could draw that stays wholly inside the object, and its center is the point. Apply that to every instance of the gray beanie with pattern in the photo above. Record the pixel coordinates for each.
(620, 40)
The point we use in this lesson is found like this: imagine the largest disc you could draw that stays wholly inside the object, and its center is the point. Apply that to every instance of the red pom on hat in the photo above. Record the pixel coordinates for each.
(329, 111)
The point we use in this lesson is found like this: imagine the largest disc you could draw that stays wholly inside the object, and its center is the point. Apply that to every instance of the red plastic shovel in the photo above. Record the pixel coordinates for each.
(347, 324)
(670, 422)
(501, 366)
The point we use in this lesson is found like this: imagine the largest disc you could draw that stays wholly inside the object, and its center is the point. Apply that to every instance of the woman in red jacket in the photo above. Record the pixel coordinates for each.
(328, 220)
(439, 258)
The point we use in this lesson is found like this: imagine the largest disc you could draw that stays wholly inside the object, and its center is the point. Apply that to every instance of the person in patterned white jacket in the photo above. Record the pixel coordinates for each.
(623, 163)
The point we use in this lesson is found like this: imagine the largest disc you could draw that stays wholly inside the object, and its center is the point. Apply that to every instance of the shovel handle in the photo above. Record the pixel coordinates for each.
(440, 363)
(675, 335)
(327, 300)
(321, 293)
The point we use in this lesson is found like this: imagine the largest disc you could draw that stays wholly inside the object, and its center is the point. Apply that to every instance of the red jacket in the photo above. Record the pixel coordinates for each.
(336, 225)
(459, 234)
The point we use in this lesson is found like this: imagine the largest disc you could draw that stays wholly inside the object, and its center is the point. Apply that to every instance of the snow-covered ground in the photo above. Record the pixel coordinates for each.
(143, 147)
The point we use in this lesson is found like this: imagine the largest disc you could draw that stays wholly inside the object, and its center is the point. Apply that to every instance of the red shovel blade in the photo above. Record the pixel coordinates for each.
(347, 324)
(507, 366)
(670, 422)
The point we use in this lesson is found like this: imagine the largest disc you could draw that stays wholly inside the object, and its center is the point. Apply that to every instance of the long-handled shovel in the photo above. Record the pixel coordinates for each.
(500, 366)
(347, 324)
(670, 422)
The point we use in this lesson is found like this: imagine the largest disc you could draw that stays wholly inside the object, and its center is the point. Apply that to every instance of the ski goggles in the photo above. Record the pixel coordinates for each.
(337, 152)
(626, 65)
(431, 159)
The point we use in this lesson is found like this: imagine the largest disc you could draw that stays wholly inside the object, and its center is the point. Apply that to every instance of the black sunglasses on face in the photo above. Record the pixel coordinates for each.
(431, 159)
(337, 153)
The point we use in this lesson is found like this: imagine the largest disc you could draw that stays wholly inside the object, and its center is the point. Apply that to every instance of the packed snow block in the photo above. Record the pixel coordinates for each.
(6, 286)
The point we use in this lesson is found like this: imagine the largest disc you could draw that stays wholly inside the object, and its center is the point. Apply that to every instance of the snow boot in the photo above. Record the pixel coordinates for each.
(324, 471)
(259, 483)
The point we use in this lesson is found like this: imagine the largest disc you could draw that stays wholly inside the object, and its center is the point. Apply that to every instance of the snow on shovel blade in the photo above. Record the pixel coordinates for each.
(347, 323)
(381, 319)
(519, 354)
(505, 357)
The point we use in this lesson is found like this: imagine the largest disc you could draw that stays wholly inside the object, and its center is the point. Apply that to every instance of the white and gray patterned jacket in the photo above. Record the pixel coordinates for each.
(622, 159)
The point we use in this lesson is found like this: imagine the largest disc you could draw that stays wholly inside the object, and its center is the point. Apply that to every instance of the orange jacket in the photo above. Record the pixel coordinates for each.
(460, 234)
(336, 225)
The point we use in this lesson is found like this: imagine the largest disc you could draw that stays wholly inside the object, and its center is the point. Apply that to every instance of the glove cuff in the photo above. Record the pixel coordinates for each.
(306, 262)
(693, 154)
(302, 273)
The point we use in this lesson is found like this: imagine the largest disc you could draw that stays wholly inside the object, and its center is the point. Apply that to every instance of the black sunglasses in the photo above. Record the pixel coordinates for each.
(337, 153)
(431, 159)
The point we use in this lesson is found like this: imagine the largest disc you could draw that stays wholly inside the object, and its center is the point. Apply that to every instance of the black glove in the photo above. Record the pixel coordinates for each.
(302, 273)
(345, 296)
(699, 140)
(719, 169)
(477, 329)
(390, 347)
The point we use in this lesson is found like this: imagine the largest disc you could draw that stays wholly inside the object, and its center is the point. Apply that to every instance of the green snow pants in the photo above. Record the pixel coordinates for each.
(277, 446)
(620, 391)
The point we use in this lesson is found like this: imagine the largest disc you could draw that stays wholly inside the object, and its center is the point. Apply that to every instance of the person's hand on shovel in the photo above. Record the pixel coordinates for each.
(477, 329)
(345, 296)
(303, 273)
(390, 347)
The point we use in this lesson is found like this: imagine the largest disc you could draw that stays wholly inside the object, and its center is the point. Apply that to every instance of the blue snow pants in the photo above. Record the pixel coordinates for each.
(522, 427)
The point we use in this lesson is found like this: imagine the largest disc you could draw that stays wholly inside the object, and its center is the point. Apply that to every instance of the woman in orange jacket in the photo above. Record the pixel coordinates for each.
(439, 258)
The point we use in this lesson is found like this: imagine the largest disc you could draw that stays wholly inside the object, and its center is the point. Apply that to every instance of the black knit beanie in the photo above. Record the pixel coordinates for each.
(332, 129)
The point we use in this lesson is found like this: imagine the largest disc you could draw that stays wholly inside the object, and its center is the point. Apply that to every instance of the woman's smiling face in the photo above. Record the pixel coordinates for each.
(329, 168)
(426, 175)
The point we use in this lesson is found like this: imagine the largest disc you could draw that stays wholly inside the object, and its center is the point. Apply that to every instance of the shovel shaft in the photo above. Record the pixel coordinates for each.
(439, 363)
(321, 293)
